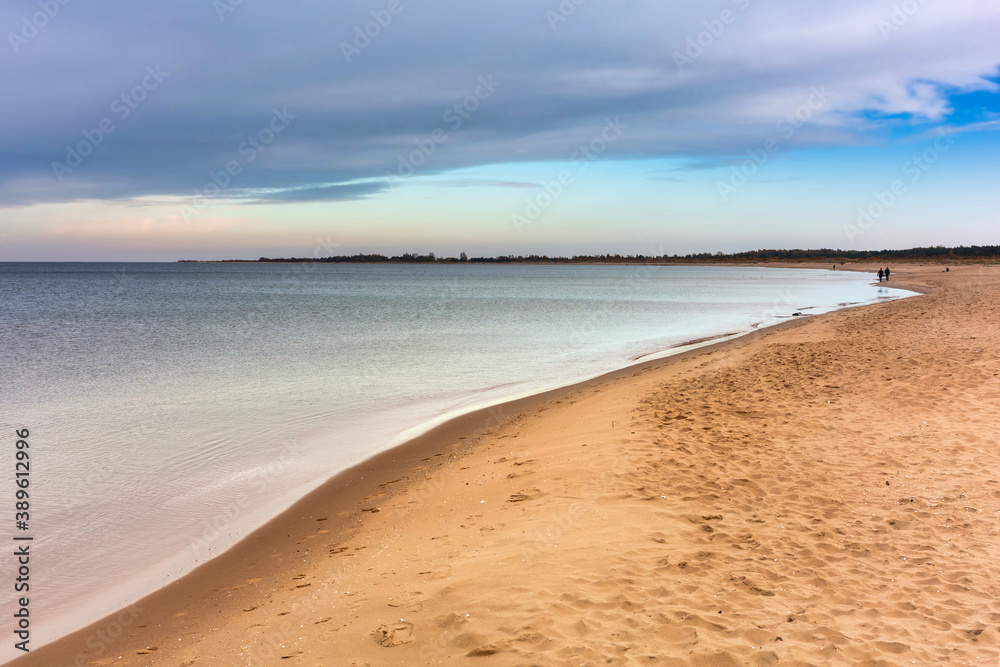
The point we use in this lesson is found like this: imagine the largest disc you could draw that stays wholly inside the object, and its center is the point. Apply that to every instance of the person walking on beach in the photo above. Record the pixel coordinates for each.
(880, 275)
(887, 274)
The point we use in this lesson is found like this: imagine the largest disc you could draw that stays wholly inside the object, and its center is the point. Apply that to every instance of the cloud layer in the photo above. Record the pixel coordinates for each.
(178, 100)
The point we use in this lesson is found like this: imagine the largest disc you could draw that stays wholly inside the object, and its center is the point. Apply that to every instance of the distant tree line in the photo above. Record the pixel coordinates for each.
(976, 252)
(936, 252)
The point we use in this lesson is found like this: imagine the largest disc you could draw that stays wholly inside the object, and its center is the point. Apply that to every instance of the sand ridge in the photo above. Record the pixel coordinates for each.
(827, 493)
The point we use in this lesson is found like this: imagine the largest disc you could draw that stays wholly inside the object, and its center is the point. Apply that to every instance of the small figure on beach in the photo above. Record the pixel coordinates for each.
(887, 274)
(880, 275)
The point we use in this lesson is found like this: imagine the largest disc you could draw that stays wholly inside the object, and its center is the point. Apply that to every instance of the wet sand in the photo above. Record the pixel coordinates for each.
(822, 492)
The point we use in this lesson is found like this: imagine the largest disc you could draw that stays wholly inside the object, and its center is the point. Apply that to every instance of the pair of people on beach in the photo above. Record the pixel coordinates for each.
(883, 273)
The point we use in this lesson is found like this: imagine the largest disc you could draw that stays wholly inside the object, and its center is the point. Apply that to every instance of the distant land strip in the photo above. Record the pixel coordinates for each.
(989, 253)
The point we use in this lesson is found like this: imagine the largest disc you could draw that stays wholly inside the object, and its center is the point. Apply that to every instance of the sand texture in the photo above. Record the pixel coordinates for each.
(823, 493)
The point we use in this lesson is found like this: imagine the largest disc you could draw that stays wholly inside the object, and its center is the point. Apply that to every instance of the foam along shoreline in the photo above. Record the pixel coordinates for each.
(344, 492)
(802, 312)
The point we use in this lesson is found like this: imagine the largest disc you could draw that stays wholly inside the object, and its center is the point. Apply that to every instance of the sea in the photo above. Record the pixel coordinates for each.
(173, 408)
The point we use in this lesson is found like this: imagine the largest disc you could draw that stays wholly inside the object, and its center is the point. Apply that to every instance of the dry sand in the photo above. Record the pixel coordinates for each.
(822, 493)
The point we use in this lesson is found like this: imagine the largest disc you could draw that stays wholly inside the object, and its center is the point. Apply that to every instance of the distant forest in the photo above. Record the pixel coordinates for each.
(937, 253)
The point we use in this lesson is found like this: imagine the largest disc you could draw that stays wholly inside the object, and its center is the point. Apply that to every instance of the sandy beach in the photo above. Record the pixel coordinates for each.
(822, 492)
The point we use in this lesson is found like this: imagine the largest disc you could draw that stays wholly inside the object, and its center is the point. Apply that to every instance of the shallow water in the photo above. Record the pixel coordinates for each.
(174, 407)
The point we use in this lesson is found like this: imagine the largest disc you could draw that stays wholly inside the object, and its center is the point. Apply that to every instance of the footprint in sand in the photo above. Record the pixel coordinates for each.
(450, 621)
(412, 601)
(527, 494)
(749, 586)
(489, 649)
(394, 634)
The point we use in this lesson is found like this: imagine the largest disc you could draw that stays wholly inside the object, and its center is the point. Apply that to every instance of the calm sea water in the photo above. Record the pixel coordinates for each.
(174, 407)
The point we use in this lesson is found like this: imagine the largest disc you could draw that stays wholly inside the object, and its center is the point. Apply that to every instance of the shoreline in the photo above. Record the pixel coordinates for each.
(345, 491)
(682, 348)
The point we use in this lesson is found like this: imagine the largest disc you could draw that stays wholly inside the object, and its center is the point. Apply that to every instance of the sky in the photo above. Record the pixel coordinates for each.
(209, 129)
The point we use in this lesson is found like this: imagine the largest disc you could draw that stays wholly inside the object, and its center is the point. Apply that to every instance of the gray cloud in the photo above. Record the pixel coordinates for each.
(356, 120)
(336, 192)
(485, 183)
